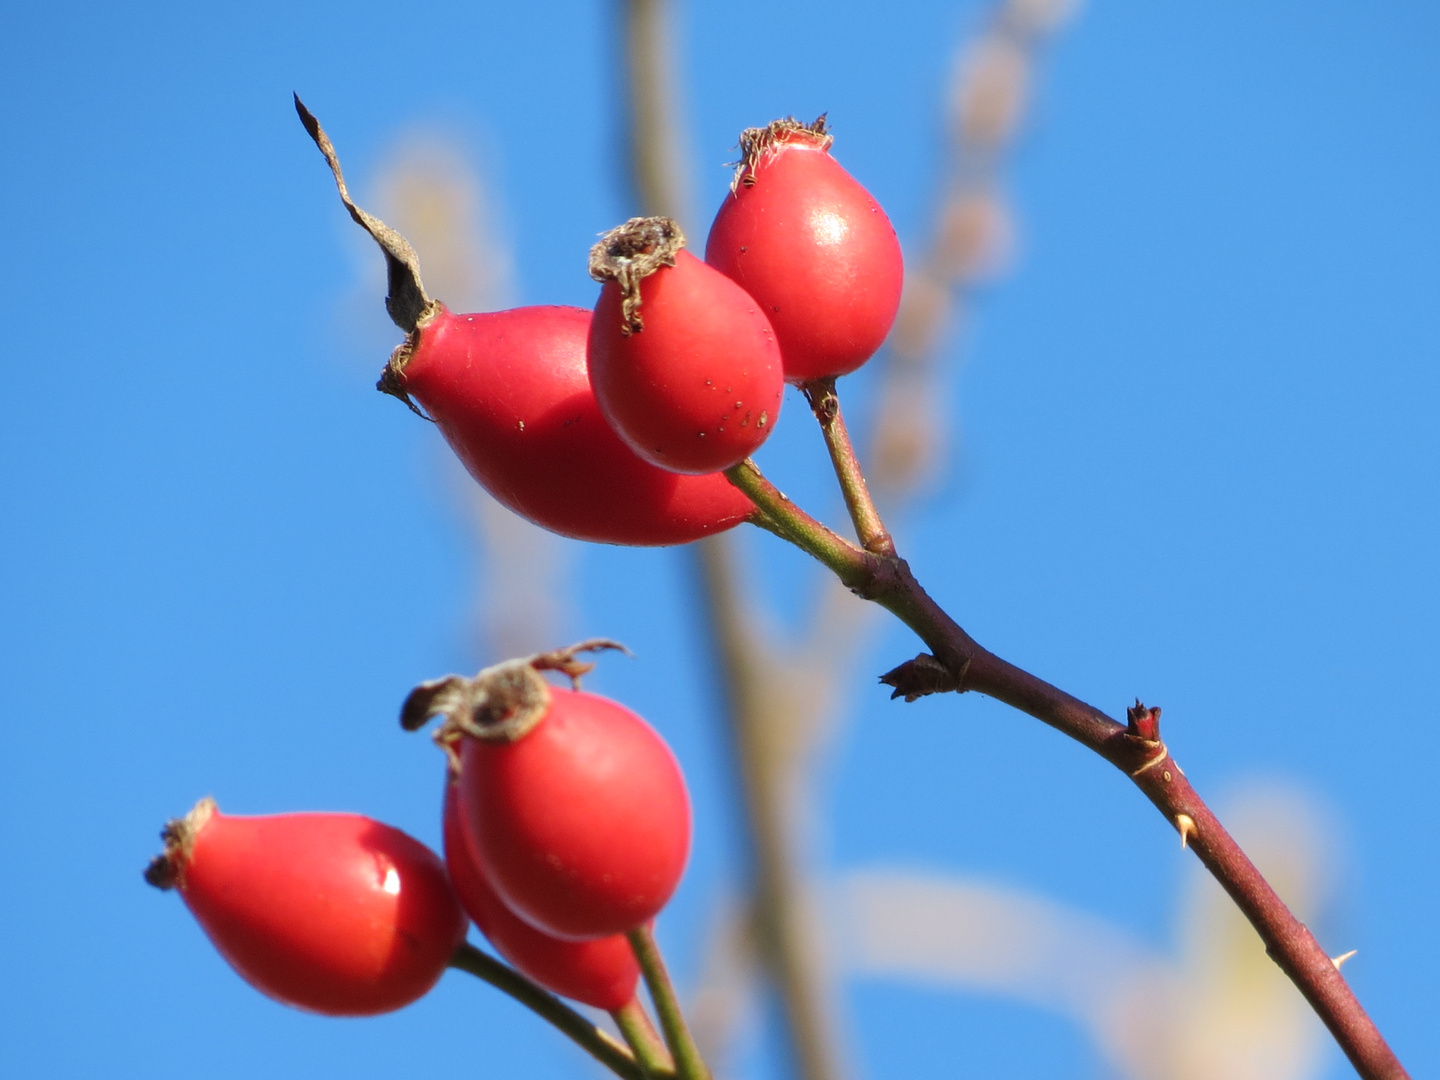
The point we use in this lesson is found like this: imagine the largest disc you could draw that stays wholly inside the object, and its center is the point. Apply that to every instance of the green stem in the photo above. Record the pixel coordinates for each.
(689, 1065)
(824, 403)
(600, 1045)
(650, 1052)
(777, 514)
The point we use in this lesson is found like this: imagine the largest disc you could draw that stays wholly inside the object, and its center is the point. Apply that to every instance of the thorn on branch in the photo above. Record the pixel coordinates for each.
(923, 676)
(1186, 824)
(1338, 960)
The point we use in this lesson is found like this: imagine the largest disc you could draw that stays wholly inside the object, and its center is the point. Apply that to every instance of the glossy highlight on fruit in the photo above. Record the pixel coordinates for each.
(601, 972)
(332, 913)
(812, 246)
(582, 823)
(510, 392)
(684, 363)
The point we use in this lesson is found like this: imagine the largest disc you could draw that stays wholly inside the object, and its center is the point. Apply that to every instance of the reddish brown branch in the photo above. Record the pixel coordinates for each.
(957, 662)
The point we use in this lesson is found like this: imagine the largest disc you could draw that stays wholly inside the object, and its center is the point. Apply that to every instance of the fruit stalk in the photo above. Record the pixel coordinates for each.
(956, 662)
(825, 404)
(599, 1044)
(777, 514)
(644, 1040)
(689, 1065)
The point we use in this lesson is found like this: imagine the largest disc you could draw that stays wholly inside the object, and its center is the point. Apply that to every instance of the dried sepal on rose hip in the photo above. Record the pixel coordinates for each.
(812, 247)
(601, 972)
(683, 362)
(333, 913)
(575, 807)
(510, 392)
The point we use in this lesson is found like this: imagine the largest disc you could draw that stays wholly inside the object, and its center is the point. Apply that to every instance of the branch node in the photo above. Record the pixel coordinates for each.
(923, 676)
(1143, 723)
(1151, 762)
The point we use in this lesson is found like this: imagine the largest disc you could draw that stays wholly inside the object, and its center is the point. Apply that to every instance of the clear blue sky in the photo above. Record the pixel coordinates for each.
(1199, 466)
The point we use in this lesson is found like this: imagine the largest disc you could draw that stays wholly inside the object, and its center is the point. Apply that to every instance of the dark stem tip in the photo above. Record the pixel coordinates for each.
(1142, 722)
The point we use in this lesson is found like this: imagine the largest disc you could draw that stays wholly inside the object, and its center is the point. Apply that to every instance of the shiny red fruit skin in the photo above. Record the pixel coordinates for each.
(510, 393)
(699, 388)
(601, 972)
(817, 253)
(583, 823)
(332, 913)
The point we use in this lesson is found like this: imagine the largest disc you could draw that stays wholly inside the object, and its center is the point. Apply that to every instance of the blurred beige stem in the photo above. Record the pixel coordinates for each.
(654, 133)
(967, 240)
(792, 967)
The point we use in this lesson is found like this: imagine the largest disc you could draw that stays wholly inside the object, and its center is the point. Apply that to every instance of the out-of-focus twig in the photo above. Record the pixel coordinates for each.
(786, 938)
(756, 699)
(967, 239)
(654, 134)
(1218, 1008)
(726, 1001)
(775, 729)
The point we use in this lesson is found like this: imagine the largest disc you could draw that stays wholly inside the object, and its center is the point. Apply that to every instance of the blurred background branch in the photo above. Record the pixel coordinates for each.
(781, 699)
(775, 927)
(655, 136)
(1216, 1007)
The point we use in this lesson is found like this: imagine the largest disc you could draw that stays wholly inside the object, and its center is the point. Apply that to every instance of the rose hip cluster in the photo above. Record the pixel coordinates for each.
(566, 821)
(616, 425)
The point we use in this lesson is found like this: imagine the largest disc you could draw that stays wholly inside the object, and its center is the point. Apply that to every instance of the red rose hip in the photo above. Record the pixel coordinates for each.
(510, 392)
(333, 913)
(684, 364)
(812, 247)
(601, 972)
(575, 807)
